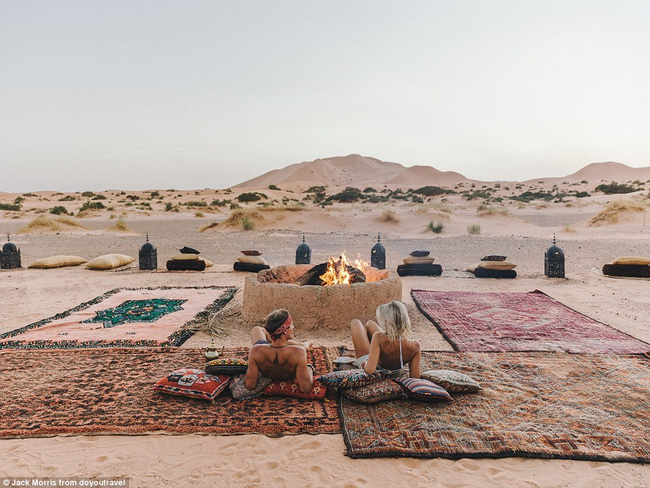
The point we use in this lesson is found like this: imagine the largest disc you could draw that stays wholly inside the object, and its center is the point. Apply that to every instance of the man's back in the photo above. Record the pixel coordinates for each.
(277, 363)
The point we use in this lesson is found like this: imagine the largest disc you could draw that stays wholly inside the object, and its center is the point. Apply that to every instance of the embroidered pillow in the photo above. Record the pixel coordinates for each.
(493, 257)
(425, 390)
(381, 391)
(194, 383)
(452, 380)
(239, 391)
(351, 378)
(226, 366)
(290, 388)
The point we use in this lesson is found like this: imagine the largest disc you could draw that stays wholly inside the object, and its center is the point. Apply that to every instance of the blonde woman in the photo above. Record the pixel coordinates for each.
(385, 343)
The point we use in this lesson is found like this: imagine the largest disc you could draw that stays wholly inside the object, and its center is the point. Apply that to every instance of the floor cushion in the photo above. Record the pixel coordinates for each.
(632, 260)
(239, 391)
(193, 383)
(109, 261)
(185, 265)
(497, 265)
(494, 273)
(627, 270)
(290, 388)
(57, 262)
(351, 378)
(185, 257)
(419, 270)
(419, 260)
(254, 268)
(452, 381)
(381, 391)
(424, 390)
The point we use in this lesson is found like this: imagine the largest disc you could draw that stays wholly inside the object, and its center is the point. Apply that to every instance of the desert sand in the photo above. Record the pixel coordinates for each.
(522, 231)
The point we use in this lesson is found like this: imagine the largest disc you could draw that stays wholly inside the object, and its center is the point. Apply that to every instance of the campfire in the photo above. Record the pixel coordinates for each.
(335, 272)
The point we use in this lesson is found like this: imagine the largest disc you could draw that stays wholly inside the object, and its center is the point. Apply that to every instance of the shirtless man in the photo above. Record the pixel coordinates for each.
(276, 355)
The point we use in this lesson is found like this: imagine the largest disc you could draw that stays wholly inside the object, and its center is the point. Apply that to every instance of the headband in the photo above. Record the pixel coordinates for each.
(283, 328)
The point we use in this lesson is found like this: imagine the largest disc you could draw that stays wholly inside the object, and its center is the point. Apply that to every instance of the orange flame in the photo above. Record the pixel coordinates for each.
(337, 272)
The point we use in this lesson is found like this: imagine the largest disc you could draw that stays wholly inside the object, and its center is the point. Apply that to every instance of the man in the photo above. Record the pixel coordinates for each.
(276, 355)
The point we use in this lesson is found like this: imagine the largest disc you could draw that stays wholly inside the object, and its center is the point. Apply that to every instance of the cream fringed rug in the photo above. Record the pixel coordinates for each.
(124, 317)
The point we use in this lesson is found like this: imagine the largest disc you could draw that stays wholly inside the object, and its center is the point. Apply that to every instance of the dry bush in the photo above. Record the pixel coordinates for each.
(568, 228)
(388, 216)
(486, 211)
(120, 226)
(614, 210)
(47, 224)
(242, 218)
(205, 227)
(281, 208)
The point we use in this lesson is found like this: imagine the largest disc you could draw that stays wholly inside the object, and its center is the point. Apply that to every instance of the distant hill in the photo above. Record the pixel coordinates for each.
(597, 172)
(362, 171)
(354, 170)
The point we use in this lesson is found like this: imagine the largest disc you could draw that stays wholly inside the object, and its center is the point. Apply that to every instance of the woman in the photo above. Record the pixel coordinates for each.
(385, 343)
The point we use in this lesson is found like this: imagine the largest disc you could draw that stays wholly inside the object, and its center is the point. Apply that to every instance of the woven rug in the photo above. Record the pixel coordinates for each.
(110, 391)
(124, 317)
(542, 405)
(519, 322)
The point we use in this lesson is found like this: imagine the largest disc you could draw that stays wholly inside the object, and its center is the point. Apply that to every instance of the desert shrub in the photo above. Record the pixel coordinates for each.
(133, 198)
(67, 198)
(474, 229)
(350, 194)
(211, 225)
(199, 215)
(155, 194)
(247, 224)
(369, 189)
(120, 226)
(92, 206)
(18, 200)
(315, 189)
(251, 197)
(88, 194)
(471, 195)
(199, 203)
(612, 212)
(581, 194)
(168, 206)
(435, 228)
(220, 203)
(99, 197)
(388, 216)
(44, 223)
(58, 210)
(13, 207)
(29, 194)
(273, 187)
(432, 191)
(615, 188)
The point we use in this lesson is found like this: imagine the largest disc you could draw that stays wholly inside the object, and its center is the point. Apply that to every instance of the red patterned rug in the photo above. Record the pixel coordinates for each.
(542, 405)
(124, 317)
(519, 322)
(109, 391)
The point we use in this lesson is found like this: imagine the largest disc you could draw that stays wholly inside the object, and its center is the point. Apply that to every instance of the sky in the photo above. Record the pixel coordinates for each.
(144, 94)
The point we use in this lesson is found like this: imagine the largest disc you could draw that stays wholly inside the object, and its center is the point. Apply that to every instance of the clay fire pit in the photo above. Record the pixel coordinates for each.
(313, 306)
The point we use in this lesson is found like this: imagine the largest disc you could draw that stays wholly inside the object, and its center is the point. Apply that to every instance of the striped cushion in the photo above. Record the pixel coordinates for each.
(425, 390)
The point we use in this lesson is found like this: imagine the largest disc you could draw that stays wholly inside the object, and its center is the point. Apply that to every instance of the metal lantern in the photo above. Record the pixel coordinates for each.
(554, 261)
(378, 255)
(303, 253)
(148, 256)
(10, 255)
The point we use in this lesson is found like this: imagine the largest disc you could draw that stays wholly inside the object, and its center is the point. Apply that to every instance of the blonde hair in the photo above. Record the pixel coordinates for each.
(393, 318)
